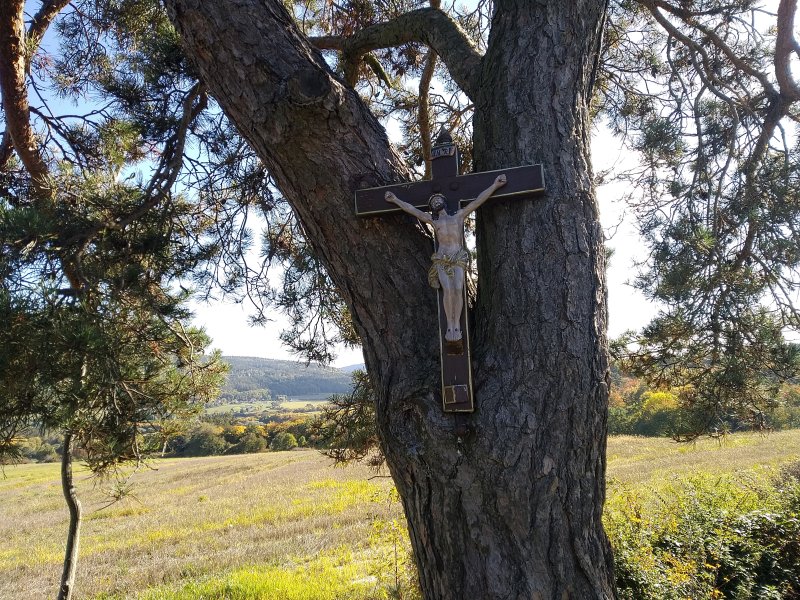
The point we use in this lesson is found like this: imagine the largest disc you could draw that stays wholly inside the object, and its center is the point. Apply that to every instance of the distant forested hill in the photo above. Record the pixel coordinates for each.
(253, 378)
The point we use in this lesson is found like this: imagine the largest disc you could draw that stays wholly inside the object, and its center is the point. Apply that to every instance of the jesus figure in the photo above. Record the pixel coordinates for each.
(451, 258)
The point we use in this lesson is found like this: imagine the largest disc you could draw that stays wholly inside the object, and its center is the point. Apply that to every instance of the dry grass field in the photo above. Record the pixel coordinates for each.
(190, 517)
(638, 460)
(276, 525)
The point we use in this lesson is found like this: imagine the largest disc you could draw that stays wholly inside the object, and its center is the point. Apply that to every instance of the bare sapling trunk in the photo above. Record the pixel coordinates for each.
(69, 571)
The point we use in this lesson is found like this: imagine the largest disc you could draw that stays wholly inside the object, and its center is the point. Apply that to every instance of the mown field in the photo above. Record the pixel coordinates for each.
(295, 404)
(281, 525)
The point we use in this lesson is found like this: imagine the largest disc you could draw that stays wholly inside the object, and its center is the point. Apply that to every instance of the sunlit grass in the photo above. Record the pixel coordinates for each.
(258, 406)
(239, 407)
(338, 575)
(639, 459)
(300, 404)
(206, 515)
(226, 527)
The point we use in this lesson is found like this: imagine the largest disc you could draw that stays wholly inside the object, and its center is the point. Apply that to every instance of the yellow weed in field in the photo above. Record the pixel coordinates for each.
(340, 575)
(128, 511)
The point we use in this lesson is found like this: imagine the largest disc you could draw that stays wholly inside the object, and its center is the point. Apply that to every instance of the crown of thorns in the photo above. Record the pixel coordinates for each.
(436, 197)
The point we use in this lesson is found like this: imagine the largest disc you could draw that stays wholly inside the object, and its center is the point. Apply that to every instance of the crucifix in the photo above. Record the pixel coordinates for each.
(451, 197)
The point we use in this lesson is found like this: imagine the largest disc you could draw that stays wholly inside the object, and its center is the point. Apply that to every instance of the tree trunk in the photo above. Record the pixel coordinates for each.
(511, 509)
(69, 571)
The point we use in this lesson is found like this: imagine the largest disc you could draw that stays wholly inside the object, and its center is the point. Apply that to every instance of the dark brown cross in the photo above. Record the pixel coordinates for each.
(522, 182)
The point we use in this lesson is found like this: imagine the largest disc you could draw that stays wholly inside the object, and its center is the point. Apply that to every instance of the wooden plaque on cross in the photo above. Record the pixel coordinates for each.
(456, 195)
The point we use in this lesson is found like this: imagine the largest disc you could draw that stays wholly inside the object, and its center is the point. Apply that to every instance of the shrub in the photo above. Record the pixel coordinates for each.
(707, 537)
(283, 441)
(39, 450)
(250, 443)
(205, 440)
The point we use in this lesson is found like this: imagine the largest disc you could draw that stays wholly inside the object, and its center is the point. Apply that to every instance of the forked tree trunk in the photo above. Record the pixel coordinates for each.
(67, 588)
(511, 509)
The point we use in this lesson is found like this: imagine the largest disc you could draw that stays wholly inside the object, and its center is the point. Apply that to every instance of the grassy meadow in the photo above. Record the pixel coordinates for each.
(282, 525)
(295, 404)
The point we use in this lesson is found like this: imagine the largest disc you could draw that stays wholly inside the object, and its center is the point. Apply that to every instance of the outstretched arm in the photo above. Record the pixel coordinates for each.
(405, 206)
(499, 182)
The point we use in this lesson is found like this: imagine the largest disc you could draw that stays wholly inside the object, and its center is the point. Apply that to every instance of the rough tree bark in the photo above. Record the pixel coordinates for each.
(512, 509)
(14, 61)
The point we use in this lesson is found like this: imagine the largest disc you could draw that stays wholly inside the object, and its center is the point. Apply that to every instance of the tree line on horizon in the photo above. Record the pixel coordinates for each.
(251, 378)
(344, 425)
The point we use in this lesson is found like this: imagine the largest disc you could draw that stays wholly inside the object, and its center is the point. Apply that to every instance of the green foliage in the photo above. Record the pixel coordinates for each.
(347, 427)
(707, 537)
(635, 409)
(205, 440)
(100, 366)
(728, 378)
(217, 434)
(251, 442)
(659, 413)
(38, 449)
(787, 414)
(715, 197)
(283, 441)
(99, 343)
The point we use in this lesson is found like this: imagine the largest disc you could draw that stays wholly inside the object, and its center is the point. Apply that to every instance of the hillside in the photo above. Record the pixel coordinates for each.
(252, 378)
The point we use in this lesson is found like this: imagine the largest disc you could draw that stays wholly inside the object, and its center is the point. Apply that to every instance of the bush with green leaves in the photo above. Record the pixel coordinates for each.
(283, 441)
(250, 443)
(707, 536)
(204, 440)
(38, 449)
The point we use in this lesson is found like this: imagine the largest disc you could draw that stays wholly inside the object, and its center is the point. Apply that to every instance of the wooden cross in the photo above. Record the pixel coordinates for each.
(459, 190)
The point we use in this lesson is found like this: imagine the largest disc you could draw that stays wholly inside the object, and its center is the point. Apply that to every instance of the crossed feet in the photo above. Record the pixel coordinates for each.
(453, 334)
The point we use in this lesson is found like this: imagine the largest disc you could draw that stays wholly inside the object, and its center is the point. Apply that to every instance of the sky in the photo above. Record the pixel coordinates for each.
(227, 322)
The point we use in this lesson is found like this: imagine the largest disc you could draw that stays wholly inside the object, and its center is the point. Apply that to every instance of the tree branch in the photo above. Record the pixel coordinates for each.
(13, 65)
(771, 121)
(378, 69)
(164, 177)
(430, 26)
(424, 109)
(166, 174)
(6, 149)
(39, 25)
(42, 20)
(785, 45)
(423, 113)
(688, 18)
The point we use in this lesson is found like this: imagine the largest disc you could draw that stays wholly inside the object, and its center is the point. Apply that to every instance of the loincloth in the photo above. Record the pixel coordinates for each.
(448, 262)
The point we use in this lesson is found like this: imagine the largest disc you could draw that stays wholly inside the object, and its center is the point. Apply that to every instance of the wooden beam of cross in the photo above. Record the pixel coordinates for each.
(458, 191)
